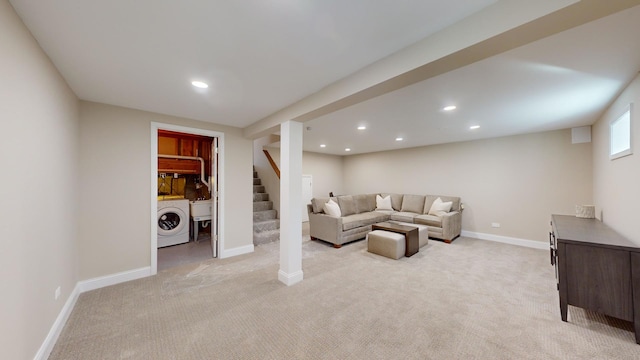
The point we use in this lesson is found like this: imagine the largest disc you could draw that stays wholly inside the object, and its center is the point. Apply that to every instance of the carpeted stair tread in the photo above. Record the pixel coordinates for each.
(260, 226)
(262, 205)
(265, 237)
(264, 215)
(260, 196)
(266, 226)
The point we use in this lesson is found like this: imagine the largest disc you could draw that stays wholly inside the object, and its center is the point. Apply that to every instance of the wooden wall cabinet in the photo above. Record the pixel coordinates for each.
(596, 269)
(174, 143)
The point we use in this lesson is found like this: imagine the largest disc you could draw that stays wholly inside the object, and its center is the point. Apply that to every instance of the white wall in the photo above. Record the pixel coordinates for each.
(517, 181)
(326, 172)
(615, 182)
(115, 170)
(38, 189)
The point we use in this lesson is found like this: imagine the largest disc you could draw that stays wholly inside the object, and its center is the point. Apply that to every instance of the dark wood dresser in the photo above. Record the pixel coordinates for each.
(596, 268)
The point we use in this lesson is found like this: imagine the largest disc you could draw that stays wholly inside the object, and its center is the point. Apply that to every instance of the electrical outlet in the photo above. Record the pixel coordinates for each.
(495, 225)
(57, 293)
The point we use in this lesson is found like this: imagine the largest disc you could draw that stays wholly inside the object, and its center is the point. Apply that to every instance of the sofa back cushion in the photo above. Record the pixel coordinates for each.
(431, 198)
(347, 205)
(396, 200)
(318, 204)
(413, 203)
(363, 203)
(371, 200)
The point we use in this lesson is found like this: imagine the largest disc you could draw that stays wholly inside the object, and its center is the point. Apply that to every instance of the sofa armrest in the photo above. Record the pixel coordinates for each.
(325, 227)
(451, 225)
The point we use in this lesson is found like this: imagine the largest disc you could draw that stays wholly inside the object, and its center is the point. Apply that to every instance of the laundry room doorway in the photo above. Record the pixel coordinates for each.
(186, 201)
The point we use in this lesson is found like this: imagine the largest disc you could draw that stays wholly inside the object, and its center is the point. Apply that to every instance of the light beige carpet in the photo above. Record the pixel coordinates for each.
(471, 299)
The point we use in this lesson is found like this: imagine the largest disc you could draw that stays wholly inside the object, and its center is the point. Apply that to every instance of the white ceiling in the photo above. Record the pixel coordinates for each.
(257, 55)
(562, 81)
(260, 56)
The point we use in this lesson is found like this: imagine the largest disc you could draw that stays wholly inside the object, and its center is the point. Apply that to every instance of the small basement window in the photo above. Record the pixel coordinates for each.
(620, 135)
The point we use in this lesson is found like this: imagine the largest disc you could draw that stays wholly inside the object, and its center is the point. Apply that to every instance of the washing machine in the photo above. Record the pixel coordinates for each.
(173, 222)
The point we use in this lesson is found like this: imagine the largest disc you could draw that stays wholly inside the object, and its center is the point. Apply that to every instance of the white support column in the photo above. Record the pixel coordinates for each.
(290, 202)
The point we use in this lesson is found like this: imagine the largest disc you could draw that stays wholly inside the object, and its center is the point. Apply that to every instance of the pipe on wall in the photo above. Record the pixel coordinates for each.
(180, 157)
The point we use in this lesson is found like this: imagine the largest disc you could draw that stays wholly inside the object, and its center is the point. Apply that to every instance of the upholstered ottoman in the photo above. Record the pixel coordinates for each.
(386, 243)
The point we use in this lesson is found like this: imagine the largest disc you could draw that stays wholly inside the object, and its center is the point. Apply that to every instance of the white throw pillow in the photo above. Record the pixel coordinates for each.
(383, 203)
(332, 208)
(439, 208)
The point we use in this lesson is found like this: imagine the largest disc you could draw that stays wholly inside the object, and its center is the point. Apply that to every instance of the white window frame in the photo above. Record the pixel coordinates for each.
(614, 127)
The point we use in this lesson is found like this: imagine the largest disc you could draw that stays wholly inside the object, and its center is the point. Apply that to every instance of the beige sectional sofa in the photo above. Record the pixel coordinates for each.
(359, 212)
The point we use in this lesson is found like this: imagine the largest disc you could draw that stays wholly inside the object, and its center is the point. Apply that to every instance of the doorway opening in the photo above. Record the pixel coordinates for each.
(186, 200)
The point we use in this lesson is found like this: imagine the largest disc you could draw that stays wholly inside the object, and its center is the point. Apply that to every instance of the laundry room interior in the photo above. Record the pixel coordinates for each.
(187, 169)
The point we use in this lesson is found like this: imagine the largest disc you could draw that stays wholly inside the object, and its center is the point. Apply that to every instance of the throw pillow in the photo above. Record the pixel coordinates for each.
(396, 201)
(439, 208)
(332, 208)
(383, 203)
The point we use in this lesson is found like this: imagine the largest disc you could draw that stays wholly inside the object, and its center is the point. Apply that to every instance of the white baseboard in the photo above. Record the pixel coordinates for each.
(108, 280)
(506, 240)
(236, 251)
(84, 286)
(52, 337)
(100, 282)
(290, 279)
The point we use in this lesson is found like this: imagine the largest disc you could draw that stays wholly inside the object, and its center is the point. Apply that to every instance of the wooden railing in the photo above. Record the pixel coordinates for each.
(274, 166)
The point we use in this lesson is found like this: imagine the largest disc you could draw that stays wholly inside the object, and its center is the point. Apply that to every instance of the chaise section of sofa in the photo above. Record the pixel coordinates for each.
(359, 212)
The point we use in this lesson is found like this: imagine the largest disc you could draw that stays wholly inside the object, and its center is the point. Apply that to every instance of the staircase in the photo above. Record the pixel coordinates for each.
(266, 226)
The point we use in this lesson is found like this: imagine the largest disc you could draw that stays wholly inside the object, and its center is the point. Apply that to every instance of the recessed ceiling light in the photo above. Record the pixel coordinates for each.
(399, 139)
(200, 84)
(323, 145)
(449, 108)
(474, 127)
(347, 149)
(362, 127)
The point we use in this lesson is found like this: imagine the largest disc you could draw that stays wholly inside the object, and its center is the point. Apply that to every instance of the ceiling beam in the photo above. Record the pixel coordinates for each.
(500, 27)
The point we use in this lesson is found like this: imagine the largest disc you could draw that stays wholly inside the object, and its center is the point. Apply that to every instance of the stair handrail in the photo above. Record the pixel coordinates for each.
(274, 166)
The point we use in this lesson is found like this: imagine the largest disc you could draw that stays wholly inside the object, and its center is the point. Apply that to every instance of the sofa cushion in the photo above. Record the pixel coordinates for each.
(332, 208)
(430, 220)
(363, 219)
(439, 208)
(396, 200)
(403, 216)
(383, 203)
(318, 204)
(455, 206)
(371, 200)
(386, 212)
(347, 205)
(362, 203)
(413, 203)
